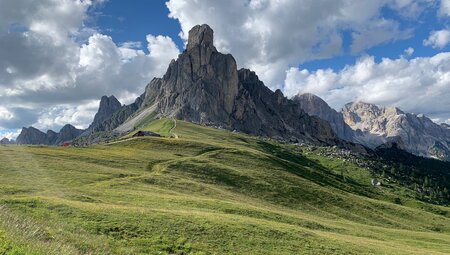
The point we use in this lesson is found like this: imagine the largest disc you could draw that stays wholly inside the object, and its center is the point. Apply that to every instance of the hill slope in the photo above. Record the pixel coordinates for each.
(209, 191)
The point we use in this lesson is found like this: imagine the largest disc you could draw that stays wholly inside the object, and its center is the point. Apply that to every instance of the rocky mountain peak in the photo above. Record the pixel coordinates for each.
(107, 107)
(204, 86)
(67, 128)
(200, 35)
(313, 100)
(5, 141)
(67, 133)
(31, 135)
(384, 125)
(316, 106)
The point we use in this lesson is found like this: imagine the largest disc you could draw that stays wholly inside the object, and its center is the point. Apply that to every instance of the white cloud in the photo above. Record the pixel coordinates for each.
(268, 36)
(409, 51)
(10, 134)
(438, 39)
(51, 63)
(46, 71)
(104, 69)
(5, 114)
(378, 32)
(445, 8)
(420, 85)
(59, 115)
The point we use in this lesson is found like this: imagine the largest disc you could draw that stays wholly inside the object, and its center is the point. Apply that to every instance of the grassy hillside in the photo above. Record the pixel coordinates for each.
(208, 191)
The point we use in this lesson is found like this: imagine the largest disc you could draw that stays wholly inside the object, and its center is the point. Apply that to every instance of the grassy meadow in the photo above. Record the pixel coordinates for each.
(208, 191)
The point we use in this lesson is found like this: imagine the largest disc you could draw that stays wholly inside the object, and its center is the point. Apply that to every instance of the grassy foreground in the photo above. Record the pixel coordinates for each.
(208, 192)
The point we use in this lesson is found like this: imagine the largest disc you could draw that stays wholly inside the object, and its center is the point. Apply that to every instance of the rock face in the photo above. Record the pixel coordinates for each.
(67, 133)
(5, 141)
(32, 135)
(416, 134)
(111, 114)
(316, 106)
(119, 116)
(108, 106)
(204, 86)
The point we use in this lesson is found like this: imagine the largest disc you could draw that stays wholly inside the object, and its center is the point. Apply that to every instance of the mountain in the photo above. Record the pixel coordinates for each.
(416, 134)
(67, 133)
(204, 86)
(5, 141)
(119, 116)
(374, 126)
(316, 106)
(33, 135)
(108, 106)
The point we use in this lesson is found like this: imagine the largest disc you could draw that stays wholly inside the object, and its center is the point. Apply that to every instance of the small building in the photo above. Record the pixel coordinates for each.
(146, 133)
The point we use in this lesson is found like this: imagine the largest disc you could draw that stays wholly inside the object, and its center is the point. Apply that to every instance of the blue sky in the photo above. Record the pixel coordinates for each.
(60, 56)
(132, 22)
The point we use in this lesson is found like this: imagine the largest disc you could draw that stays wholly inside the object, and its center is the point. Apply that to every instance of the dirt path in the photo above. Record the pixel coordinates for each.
(174, 126)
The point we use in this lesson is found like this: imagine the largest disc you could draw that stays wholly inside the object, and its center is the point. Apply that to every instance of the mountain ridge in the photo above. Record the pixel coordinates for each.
(204, 86)
(378, 126)
(33, 135)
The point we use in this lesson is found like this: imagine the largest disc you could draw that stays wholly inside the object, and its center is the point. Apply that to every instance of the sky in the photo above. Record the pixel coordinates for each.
(58, 57)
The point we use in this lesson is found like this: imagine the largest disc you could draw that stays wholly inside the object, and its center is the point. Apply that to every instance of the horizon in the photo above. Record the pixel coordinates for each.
(56, 67)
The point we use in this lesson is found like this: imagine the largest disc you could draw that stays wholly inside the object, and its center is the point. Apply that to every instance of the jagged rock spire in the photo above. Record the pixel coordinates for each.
(200, 35)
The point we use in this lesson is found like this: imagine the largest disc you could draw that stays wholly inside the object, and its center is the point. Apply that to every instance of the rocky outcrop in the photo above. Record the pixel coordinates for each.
(112, 114)
(108, 106)
(416, 134)
(67, 133)
(119, 116)
(6, 141)
(316, 106)
(32, 135)
(204, 86)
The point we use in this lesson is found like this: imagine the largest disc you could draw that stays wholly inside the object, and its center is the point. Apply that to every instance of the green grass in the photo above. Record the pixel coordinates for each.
(160, 126)
(208, 192)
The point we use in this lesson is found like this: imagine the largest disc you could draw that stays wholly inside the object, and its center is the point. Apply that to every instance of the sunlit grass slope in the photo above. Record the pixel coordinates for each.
(208, 192)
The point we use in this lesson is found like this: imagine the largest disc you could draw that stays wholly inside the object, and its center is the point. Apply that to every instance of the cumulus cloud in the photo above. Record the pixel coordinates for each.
(269, 36)
(10, 134)
(419, 85)
(409, 51)
(438, 39)
(14, 117)
(53, 68)
(46, 72)
(445, 8)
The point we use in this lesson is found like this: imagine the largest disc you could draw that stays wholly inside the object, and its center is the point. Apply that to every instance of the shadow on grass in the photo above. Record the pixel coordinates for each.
(297, 164)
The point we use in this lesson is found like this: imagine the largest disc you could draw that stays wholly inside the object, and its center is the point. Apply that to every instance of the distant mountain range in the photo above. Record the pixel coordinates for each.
(204, 86)
(5, 140)
(374, 126)
(32, 135)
